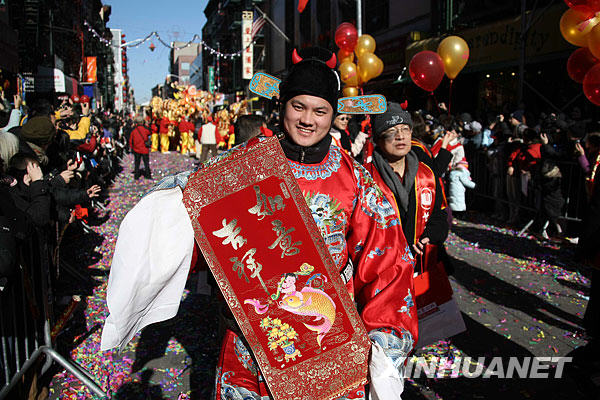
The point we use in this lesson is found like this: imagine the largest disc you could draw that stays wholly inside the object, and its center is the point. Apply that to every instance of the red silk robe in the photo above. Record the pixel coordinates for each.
(365, 239)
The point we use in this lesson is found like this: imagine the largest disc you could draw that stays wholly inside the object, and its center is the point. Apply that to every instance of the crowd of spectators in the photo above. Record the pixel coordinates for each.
(57, 157)
(519, 161)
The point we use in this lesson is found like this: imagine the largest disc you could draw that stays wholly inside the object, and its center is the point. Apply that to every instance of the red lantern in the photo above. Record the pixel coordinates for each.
(591, 85)
(426, 70)
(152, 46)
(579, 63)
(346, 36)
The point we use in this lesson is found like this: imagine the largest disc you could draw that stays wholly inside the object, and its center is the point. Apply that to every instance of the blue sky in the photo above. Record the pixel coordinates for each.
(173, 20)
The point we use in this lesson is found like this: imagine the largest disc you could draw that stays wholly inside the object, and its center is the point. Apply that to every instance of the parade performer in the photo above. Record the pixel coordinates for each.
(154, 127)
(407, 181)
(163, 130)
(186, 129)
(157, 105)
(359, 226)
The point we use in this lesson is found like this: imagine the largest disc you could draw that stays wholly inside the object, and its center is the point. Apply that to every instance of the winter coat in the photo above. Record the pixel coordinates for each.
(460, 179)
(137, 139)
(65, 198)
(33, 200)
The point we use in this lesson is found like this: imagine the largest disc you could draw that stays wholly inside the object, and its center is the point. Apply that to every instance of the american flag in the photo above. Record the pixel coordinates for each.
(257, 25)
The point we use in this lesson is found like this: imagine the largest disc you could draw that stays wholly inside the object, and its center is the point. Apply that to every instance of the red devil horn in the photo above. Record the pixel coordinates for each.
(404, 105)
(295, 57)
(332, 61)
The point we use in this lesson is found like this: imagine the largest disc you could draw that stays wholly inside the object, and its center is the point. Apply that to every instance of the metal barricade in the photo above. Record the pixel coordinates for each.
(26, 318)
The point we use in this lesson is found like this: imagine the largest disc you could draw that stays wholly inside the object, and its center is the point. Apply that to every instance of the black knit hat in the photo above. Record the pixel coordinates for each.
(393, 116)
(312, 74)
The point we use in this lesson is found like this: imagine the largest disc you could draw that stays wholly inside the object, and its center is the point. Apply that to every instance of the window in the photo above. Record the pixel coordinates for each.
(185, 66)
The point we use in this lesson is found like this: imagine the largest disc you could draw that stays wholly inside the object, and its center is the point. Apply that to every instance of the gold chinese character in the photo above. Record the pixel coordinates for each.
(284, 239)
(266, 205)
(238, 266)
(254, 266)
(230, 233)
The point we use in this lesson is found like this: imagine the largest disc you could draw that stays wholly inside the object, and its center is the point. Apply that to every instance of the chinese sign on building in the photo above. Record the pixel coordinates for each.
(248, 49)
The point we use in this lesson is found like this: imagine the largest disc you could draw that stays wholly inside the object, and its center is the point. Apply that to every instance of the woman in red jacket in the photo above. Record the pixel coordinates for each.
(137, 143)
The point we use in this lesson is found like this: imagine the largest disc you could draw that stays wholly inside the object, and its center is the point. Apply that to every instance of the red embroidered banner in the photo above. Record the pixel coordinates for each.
(259, 238)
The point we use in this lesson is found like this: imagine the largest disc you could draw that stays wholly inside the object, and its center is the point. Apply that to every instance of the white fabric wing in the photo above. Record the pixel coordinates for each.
(149, 267)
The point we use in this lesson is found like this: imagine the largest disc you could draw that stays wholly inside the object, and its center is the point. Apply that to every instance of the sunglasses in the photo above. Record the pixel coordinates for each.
(344, 118)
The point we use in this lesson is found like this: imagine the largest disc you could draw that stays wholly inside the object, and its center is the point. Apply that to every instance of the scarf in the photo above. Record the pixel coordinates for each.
(400, 189)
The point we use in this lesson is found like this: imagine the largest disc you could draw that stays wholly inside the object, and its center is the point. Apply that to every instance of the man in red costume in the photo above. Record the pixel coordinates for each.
(407, 180)
(359, 226)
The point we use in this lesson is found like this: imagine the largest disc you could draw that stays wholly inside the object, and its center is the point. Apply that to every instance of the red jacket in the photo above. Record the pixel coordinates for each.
(186, 126)
(137, 139)
(164, 126)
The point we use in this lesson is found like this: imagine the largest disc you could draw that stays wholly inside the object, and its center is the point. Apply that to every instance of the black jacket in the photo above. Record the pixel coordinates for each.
(34, 200)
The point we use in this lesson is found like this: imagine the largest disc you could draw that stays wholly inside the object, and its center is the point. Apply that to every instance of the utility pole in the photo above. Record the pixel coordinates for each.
(359, 17)
(50, 36)
(523, 52)
(449, 13)
(218, 67)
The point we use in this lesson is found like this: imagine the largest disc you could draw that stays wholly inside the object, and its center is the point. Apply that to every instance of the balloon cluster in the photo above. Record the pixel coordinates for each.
(427, 68)
(367, 66)
(580, 26)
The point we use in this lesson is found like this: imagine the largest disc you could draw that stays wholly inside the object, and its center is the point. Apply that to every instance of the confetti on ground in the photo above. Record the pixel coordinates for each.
(515, 302)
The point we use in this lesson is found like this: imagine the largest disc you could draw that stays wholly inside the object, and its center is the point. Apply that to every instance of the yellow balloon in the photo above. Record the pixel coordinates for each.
(365, 44)
(369, 67)
(454, 52)
(348, 73)
(575, 27)
(350, 91)
(593, 41)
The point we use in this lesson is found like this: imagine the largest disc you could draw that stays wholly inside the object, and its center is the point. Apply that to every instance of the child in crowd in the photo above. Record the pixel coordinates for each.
(459, 180)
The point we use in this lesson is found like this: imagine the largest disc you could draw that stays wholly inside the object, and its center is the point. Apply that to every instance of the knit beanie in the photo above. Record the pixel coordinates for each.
(38, 130)
(310, 74)
(394, 115)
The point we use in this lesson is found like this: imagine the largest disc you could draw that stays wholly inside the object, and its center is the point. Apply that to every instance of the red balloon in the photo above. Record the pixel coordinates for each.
(591, 85)
(593, 4)
(426, 70)
(584, 11)
(579, 64)
(346, 36)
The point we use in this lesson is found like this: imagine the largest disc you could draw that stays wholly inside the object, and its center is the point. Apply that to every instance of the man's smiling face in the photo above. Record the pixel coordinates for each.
(307, 119)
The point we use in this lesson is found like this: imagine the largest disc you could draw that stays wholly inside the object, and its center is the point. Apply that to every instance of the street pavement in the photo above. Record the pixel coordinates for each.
(519, 297)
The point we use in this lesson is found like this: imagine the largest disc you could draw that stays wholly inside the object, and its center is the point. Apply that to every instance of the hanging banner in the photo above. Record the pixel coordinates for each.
(91, 69)
(211, 79)
(260, 240)
(248, 53)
